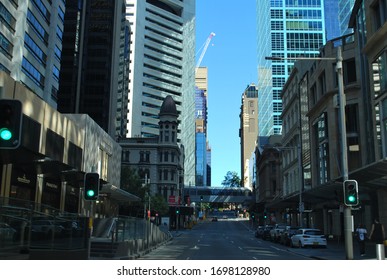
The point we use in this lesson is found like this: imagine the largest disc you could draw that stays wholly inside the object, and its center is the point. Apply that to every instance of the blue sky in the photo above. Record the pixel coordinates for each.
(231, 61)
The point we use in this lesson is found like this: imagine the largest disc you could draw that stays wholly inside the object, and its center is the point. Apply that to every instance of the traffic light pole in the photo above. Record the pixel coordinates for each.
(344, 159)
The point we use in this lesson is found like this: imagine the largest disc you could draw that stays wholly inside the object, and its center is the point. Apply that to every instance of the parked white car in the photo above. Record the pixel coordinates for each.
(276, 232)
(308, 237)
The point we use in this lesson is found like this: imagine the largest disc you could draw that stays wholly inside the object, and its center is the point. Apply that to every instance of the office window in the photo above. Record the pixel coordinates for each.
(379, 69)
(34, 49)
(6, 46)
(33, 73)
(7, 19)
(322, 148)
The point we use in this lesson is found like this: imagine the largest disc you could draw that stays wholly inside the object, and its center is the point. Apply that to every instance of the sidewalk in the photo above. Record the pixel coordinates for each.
(336, 251)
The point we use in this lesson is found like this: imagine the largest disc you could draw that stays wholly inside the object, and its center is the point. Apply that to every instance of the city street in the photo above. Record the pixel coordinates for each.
(233, 239)
(229, 239)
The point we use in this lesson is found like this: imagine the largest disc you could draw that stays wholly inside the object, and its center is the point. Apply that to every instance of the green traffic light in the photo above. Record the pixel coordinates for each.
(5, 134)
(90, 193)
(351, 198)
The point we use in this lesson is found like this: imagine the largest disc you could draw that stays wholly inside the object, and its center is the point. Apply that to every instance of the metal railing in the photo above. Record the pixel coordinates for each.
(25, 225)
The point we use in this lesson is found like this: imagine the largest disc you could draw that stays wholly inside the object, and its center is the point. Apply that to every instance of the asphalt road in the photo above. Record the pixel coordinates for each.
(229, 239)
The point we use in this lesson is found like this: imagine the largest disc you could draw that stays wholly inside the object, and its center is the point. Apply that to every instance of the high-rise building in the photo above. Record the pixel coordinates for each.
(201, 137)
(345, 11)
(296, 28)
(332, 25)
(203, 150)
(162, 53)
(94, 72)
(248, 131)
(201, 78)
(31, 44)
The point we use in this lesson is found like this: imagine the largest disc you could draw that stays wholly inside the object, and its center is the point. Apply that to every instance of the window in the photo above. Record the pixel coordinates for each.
(322, 84)
(166, 138)
(54, 145)
(379, 69)
(34, 49)
(125, 155)
(322, 148)
(37, 27)
(7, 19)
(166, 156)
(353, 139)
(349, 71)
(43, 10)
(61, 14)
(379, 10)
(6, 46)
(55, 73)
(74, 156)
(33, 73)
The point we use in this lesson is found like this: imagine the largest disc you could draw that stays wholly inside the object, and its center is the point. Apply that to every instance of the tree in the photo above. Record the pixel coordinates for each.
(131, 183)
(231, 180)
(159, 205)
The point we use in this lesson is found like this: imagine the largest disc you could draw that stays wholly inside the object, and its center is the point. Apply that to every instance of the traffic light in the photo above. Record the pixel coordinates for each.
(264, 215)
(177, 211)
(351, 195)
(10, 123)
(91, 186)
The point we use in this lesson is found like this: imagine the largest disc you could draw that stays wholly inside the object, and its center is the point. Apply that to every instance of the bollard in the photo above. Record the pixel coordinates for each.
(380, 254)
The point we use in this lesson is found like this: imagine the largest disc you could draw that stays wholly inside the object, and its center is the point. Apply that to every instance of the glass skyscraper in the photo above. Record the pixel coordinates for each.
(332, 25)
(295, 28)
(201, 137)
(345, 10)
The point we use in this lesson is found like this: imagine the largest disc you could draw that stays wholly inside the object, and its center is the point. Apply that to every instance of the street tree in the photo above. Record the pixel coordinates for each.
(231, 180)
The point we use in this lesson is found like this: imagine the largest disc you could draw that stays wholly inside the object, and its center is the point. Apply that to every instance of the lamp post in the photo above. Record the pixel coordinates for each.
(343, 138)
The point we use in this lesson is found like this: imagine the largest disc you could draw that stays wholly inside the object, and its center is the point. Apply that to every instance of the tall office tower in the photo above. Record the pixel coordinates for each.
(209, 182)
(332, 25)
(201, 79)
(94, 72)
(296, 28)
(248, 131)
(201, 97)
(201, 82)
(201, 137)
(345, 10)
(31, 44)
(162, 62)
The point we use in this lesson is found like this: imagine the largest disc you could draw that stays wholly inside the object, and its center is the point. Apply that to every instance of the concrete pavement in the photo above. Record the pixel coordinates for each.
(336, 251)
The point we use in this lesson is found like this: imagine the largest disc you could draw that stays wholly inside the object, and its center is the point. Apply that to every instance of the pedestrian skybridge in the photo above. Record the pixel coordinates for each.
(217, 194)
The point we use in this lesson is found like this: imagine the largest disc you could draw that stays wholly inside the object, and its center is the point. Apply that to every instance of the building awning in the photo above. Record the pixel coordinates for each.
(373, 175)
(370, 177)
(115, 193)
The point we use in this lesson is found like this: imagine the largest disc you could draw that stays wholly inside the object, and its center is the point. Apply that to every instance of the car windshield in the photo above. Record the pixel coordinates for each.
(313, 232)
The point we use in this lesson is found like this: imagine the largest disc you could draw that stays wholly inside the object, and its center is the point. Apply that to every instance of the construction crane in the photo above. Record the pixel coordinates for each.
(204, 47)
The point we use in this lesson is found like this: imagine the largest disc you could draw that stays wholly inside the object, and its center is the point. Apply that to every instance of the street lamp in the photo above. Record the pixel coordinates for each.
(343, 136)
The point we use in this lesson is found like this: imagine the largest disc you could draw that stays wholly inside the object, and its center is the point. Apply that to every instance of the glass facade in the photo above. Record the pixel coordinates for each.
(345, 10)
(32, 29)
(201, 137)
(332, 25)
(296, 28)
(201, 159)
